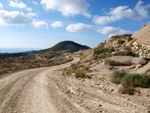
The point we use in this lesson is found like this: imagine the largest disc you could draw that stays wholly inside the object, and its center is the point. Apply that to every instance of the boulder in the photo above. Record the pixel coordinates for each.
(138, 66)
(144, 69)
(135, 44)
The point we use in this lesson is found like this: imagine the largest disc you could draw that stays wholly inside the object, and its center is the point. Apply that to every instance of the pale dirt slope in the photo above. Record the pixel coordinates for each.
(47, 90)
(143, 35)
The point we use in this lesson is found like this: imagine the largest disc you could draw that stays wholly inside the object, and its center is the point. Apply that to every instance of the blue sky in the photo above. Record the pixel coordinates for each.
(39, 24)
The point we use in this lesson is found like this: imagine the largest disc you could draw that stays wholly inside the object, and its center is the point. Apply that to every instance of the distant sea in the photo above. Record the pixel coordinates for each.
(15, 50)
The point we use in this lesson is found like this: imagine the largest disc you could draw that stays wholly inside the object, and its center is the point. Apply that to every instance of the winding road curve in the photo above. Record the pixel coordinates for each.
(47, 90)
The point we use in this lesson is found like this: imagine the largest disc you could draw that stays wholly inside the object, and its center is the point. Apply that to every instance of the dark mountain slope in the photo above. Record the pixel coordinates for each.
(66, 45)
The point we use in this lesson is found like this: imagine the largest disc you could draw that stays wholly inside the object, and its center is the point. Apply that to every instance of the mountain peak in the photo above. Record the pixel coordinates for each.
(67, 45)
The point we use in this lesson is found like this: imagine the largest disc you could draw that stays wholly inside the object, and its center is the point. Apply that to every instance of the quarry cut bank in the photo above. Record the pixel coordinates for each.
(48, 90)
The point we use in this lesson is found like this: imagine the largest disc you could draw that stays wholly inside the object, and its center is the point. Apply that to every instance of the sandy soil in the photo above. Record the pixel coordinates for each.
(47, 90)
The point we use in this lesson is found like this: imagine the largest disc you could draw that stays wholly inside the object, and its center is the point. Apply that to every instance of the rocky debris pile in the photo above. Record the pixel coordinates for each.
(142, 49)
(141, 44)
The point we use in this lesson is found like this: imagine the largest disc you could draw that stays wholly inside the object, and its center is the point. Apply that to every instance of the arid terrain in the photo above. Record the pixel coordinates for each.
(74, 56)
(113, 77)
(48, 90)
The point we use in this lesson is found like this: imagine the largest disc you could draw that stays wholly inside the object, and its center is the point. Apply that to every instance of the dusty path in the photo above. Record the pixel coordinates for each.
(47, 90)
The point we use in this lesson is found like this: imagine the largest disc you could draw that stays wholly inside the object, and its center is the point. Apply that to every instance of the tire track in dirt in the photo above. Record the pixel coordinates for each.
(47, 90)
(94, 99)
(15, 89)
(24, 89)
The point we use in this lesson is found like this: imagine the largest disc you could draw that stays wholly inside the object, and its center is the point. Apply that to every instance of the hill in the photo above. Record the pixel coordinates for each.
(16, 54)
(143, 35)
(66, 45)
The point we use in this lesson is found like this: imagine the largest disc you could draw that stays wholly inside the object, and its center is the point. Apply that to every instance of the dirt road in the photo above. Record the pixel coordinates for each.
(47, 90)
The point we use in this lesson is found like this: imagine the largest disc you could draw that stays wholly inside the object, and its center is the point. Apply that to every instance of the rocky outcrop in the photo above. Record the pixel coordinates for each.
(142, 49)
(112, 38)
(141, 45)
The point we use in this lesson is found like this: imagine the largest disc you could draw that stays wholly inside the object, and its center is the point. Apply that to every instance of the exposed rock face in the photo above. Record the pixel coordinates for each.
(141, 44)
(112, 38)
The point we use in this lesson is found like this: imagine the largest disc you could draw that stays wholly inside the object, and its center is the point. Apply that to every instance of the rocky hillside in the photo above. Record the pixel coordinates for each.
(107, 48)
(122, 59)
(141, 43)
(138, 43)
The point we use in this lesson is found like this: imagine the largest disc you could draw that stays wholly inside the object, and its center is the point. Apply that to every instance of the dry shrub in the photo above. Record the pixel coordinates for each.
(130, 81)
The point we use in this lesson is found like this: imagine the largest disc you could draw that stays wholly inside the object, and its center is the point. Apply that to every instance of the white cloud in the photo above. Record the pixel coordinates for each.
(108, 30)
(122, 12)
(29, 9)
(111, 35)
(121, 31)
(17, 4)
(40, 24)
(34, 2)
(102, 20)
(117, 13)
(80, 27)
(56, 24)
(14, 18)
(32, 14)
(1, 6)
(67, 7)
(115, 31)
(142, 9)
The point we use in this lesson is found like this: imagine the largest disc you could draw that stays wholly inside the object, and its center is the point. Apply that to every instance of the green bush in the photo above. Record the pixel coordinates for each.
(120, 42)
(114, 63)
(127, 48)
(74, 66)
(81, 74)
(69, 59)
(117, 77)
(103, 50)
(112, 49)
(81, 65)
(129, 91)
(87, 68)
(130, 81)
(126, 53)
(136, 80)
(79, 70)
(77, 74)
(129, 38)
